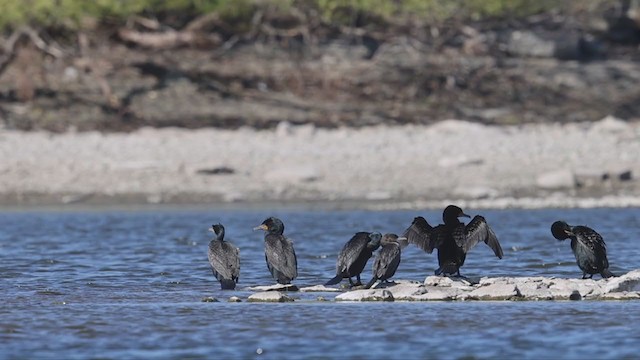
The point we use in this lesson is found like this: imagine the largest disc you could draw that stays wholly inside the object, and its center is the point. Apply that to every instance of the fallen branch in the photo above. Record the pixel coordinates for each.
(169, 39)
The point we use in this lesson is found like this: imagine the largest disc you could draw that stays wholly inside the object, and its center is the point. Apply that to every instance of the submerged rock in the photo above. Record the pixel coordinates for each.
(269, 296)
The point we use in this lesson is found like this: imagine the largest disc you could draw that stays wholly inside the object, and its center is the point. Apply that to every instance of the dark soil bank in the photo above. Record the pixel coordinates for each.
(544, 68)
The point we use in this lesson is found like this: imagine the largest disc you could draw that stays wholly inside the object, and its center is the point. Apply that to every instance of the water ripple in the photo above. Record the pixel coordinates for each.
(129, 285)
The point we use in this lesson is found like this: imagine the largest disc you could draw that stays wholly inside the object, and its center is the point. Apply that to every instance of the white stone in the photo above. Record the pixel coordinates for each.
(432, 293)
(497, 291)
(269, 296)
(319, 288)
(276, 287)
(610, 124)
(284, 129)
(627, 282)
(366, 295)
(558, 179)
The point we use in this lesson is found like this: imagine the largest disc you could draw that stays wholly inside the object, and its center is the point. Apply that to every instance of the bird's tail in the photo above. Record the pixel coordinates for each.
(447, 269)
(371, 282)
(607, 274)
(227, 284)
(335, 280)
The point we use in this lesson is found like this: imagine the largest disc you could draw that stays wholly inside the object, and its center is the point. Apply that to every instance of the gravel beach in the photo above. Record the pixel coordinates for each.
(535, 165)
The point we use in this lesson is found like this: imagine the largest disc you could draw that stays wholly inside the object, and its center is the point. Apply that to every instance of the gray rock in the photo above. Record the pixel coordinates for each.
(558, 179)
(496, 291)
(269, 296)
(209, 299)
(366, 295)
(627, 282)
(438, 281)
(276, 287)
(234, 299)
(319, 288)
(620, 296)
(432, 293)
(527, 43)
(585, 178)
(575, 295)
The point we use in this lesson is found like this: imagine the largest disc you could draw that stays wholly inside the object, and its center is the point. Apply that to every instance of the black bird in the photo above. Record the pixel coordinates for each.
(453, 239)
(224, 259)
(278, 250)
(387, 260)
(588, 247)
(354, 256)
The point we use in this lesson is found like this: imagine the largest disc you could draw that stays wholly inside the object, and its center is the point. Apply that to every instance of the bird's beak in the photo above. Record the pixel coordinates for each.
(211, 229)
(261, 227)
(402, 239)
(465, 215)
(567, 232)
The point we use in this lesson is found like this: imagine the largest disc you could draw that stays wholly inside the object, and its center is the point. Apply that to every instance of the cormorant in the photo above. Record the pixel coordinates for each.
(453, 239)
(224, 259)
(387, 260)
(588, 247)
(354, 256)
(278, 251)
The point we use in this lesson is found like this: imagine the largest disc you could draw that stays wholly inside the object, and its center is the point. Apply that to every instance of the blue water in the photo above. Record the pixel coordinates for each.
(129, 284)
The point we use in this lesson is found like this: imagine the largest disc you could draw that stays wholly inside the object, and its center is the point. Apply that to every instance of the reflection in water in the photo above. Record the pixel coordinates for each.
(129, 285)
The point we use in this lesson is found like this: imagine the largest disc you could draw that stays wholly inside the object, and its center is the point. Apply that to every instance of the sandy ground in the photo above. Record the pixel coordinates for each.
(475, 165)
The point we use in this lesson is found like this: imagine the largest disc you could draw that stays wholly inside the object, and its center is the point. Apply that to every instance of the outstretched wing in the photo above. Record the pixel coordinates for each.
(478, 230)
(351, 251)
(420, 233)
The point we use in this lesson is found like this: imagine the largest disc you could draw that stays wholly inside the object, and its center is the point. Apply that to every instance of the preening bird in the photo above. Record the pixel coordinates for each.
(588, 247)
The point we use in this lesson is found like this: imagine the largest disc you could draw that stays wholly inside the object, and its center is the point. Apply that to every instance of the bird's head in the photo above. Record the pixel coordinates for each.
(561, 230)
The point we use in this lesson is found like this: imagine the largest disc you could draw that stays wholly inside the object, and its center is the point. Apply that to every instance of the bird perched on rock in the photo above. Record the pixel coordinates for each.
(278, 250)
(453, 239)
(224, 259)
(587, 246)
(387, 260)
(354, 256)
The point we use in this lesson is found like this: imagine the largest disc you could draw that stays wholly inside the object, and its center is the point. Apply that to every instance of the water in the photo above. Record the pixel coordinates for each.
(129, 284)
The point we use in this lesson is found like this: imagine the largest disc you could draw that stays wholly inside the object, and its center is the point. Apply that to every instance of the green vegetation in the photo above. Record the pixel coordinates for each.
(70, 13)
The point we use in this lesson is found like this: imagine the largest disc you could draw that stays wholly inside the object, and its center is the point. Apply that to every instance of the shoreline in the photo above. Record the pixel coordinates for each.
(378, 168)
(134, 203)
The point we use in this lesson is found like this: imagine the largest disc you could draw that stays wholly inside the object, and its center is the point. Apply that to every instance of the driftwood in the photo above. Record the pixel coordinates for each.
(194, 34)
